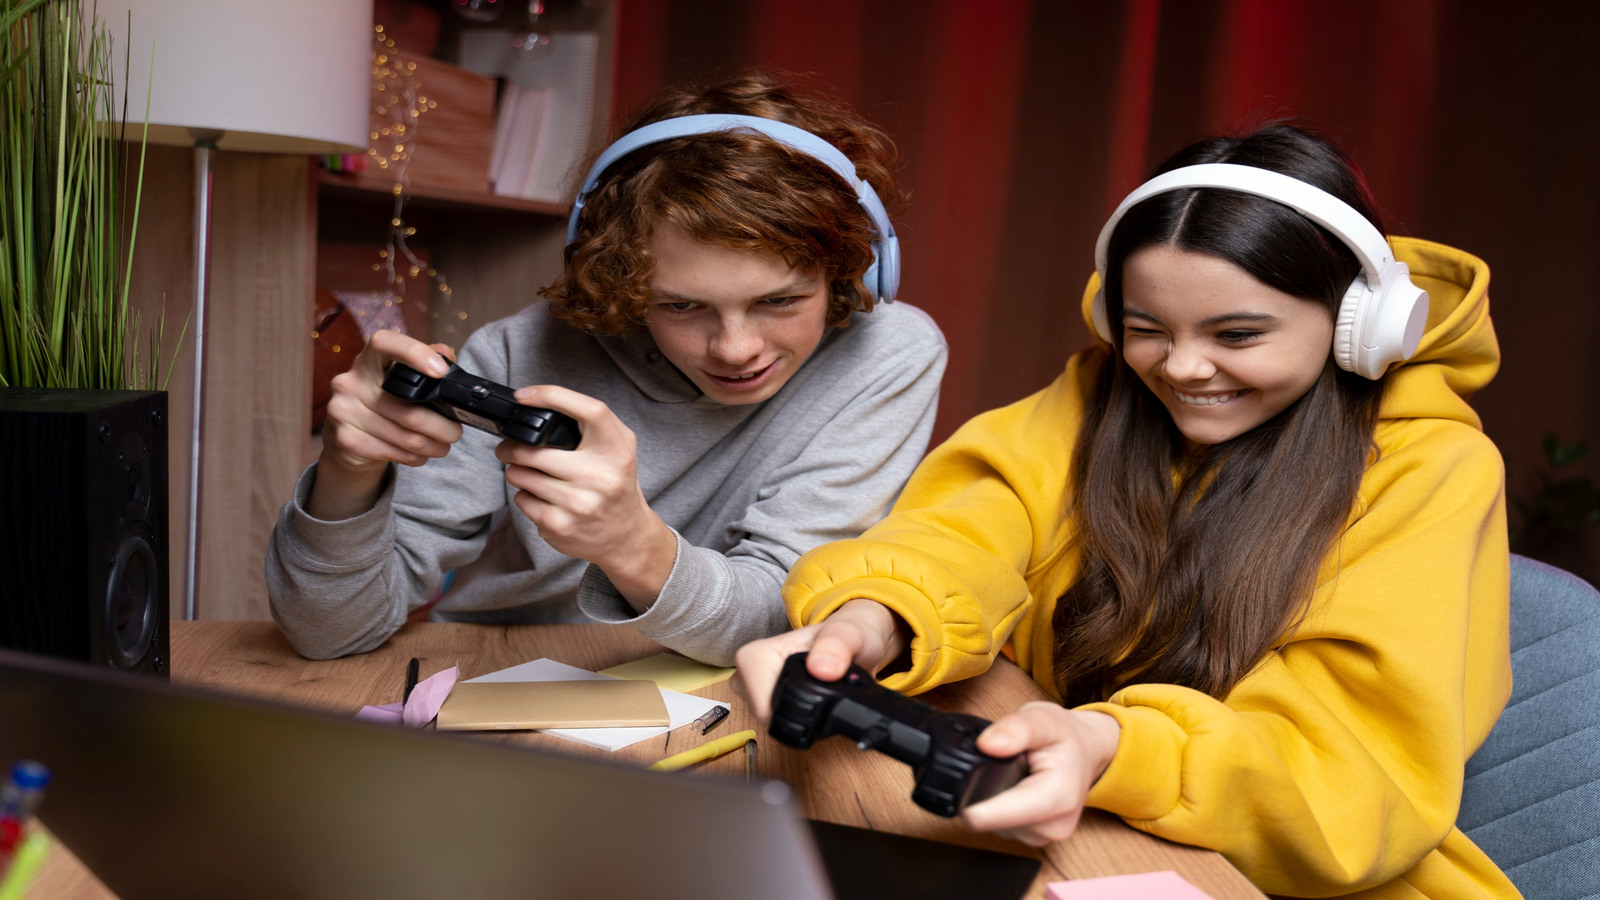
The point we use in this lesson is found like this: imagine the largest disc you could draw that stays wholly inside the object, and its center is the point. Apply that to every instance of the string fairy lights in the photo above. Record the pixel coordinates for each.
(398, 109)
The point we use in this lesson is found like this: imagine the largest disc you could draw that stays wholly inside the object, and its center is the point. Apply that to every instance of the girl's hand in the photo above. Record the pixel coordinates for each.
(862, 631)
(587, 502)
(1067, 752)
(366, 428)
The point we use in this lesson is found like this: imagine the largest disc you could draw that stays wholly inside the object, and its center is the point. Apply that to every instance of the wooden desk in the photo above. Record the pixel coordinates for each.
(833, 780)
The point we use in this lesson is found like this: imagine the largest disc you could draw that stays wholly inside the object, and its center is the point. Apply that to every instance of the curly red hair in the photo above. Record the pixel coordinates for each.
(736, 189)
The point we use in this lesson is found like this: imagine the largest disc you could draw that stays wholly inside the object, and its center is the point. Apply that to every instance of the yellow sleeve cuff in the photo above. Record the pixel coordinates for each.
(949, 640)
(1142, 781)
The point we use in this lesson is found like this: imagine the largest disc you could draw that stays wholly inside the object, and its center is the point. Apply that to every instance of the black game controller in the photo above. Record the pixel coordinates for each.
(941, 748)
(484, 405)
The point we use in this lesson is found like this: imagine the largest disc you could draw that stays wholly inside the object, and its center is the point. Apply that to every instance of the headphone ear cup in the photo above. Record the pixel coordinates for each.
(883, 278)
(1098, 316)
(1397, 326)
(1375, 330)
(1348, 324)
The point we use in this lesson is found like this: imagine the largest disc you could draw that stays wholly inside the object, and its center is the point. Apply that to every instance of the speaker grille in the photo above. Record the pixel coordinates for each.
(83, 525)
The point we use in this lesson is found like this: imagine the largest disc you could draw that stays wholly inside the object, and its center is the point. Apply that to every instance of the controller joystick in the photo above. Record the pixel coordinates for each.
(483, 404)
(941, 748)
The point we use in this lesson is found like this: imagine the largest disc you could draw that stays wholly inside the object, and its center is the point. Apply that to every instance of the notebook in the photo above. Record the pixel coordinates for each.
(173, 792)
(517, 705)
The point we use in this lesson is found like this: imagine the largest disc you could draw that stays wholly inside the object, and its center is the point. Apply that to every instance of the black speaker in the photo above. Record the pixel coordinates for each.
(83, 525)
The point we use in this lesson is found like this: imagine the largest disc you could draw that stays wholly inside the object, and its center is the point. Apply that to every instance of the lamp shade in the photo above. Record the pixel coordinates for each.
(264, 76)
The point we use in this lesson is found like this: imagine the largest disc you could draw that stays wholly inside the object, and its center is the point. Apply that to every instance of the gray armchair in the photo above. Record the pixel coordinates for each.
(1532, 793)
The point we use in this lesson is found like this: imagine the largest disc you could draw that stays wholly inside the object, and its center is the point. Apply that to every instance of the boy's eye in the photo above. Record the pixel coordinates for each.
(679, 306)
(782, 301)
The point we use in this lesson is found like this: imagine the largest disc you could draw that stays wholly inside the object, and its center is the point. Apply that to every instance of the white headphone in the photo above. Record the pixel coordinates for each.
(882, 280)
(1383, 314)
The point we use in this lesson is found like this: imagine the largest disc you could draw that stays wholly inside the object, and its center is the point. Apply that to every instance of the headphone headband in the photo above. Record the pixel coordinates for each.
(1382, 316)
(881, 280)
(1339, 217)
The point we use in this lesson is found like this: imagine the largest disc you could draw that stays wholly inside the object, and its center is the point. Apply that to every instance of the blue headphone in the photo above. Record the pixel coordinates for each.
(882, 279)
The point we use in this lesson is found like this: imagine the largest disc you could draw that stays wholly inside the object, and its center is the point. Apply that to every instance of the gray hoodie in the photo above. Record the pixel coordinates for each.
(747, 489)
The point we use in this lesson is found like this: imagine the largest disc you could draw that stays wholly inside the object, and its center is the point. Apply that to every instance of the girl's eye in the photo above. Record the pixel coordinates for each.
(1140, 332)
(1237, 337)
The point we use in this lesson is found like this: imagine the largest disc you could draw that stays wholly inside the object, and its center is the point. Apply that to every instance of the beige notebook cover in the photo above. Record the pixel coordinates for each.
(514, 705)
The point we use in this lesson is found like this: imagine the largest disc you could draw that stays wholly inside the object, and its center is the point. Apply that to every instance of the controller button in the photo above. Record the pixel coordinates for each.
(479, 392)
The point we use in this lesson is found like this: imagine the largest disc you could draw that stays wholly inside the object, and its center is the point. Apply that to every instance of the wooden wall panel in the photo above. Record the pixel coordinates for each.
(257, 371)
(495, 262)
(162, 285)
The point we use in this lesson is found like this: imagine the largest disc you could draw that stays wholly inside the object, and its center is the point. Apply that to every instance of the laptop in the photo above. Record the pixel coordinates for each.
(175, 792)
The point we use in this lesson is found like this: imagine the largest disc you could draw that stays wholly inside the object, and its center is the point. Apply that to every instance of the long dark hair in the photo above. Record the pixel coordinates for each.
(1195, 563)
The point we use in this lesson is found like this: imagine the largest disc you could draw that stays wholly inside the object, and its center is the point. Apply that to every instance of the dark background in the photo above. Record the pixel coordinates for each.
(1022, 124)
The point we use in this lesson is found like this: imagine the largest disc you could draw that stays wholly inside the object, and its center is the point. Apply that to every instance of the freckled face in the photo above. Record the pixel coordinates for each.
(1221, 351)
(737, 324)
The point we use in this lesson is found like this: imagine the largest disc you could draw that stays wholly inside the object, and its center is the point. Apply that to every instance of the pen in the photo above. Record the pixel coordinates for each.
(710, 720)
(412, 669)
(708, 750)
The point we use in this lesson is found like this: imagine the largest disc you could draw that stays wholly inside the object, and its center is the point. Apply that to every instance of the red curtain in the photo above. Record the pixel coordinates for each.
(1023, 123)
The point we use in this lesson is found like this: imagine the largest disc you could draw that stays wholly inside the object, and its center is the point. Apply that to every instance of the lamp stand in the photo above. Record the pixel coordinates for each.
(204, 146)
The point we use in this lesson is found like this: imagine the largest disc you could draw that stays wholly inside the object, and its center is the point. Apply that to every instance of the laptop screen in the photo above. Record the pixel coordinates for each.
(165, 791)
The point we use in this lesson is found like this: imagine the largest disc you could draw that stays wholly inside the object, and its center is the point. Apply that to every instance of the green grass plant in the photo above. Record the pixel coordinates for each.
(67, 234)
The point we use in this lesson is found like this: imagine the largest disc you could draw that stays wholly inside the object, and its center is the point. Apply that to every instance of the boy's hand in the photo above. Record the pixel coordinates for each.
(366, 428)
(587, 502)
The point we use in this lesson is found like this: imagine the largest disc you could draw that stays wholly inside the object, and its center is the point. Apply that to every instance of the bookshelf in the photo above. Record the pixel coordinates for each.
(347, 187)
(284, 233)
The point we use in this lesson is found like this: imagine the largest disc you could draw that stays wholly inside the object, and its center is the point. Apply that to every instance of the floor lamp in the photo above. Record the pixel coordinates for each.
(289, 76)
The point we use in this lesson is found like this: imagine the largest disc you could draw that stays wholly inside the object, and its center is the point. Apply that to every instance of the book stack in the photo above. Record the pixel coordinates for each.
(544, 114)
(520, 140)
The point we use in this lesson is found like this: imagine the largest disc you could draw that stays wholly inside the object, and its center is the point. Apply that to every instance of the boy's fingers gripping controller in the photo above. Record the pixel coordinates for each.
(483, 404)
(941, 748)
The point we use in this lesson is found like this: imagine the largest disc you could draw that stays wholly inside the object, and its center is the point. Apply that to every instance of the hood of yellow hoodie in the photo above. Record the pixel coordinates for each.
(1458, 353)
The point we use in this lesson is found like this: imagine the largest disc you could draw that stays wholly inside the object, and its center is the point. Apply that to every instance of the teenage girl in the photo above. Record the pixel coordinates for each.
(1252, 545)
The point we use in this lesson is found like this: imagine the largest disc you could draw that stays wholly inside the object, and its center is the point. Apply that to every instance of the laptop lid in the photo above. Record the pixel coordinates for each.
(173, 792)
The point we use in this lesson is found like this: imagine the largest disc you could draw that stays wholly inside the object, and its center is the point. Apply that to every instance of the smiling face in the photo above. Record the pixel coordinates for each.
(1222, 351)
(737, 324)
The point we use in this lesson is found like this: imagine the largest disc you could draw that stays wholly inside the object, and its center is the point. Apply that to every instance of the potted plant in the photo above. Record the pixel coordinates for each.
(83, 464)
(66, 235)
(1554, 522)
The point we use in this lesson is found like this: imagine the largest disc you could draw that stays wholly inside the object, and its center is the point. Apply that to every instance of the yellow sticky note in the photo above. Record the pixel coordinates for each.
(670, 671)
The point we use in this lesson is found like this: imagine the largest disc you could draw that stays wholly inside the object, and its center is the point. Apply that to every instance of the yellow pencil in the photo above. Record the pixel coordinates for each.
(709, 750)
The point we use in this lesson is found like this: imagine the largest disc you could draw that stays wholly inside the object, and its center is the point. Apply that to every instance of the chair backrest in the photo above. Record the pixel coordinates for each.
(1532, 793)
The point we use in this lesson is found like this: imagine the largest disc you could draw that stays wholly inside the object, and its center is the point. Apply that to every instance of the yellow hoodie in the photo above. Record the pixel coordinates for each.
(1334, 768)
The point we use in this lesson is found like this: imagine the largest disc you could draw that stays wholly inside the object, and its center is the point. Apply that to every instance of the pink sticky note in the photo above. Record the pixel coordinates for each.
(426, 698)
(1142, 886)
(387, 714)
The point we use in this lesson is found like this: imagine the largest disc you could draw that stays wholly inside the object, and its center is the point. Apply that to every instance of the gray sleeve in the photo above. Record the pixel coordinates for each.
(327, 582)
(857, 444)
(337, 588)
